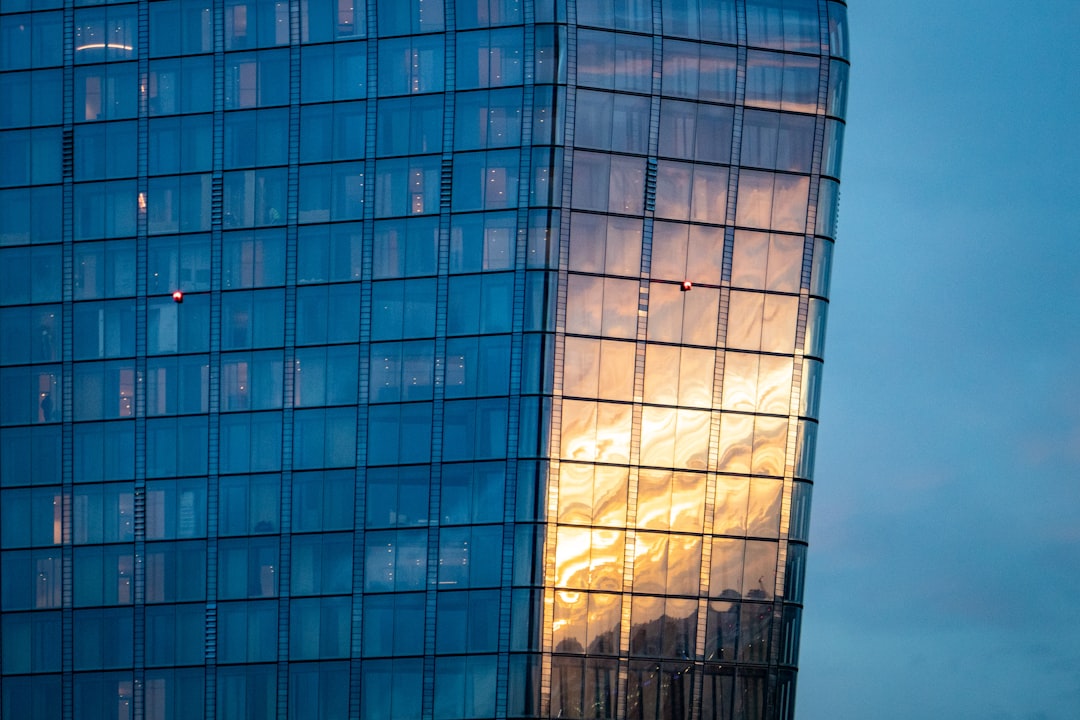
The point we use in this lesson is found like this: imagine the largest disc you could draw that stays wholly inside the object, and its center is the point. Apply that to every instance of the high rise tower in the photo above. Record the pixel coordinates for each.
(412, 360)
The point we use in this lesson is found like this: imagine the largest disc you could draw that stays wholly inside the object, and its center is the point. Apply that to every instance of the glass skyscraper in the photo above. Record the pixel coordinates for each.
(415, 360)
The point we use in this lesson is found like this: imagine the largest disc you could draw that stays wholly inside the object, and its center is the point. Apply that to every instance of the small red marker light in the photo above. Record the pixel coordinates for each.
(686, 286)
(178, 296)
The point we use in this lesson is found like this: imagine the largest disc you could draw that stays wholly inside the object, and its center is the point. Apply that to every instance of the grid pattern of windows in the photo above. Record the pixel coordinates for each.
(411, 359)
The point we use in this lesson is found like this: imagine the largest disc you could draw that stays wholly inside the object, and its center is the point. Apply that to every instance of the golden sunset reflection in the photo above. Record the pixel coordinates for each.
(586, 622)
(589, 558)
(596, 431)
(752, 444)
(757, 383)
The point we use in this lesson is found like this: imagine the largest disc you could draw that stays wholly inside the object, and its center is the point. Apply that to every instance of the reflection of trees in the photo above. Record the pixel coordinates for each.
(661, 687)
(732, 694)
(583, 687)
(659, 690)
(738, 632)
(666, 636)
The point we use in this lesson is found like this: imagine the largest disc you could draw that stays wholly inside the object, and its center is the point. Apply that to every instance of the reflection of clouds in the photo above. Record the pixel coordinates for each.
(757, 383)
(683, 317)
(740, 381)
(661, 374)
(744, 320)
(657, 436)
(585, 296)
(572, 557)
(609, 496)
(774, 201)
(592, 495)
(596, 431)
(653, 499)
(569, 621)
(678, 376)
(607, 560)
(581, 366)
(774, 385)
(770, 445)
(670, 501)
(767, 261)
(673, 437)
(762, 321)
(667, 564)
(575, 494)
(763, 508)
(687, 508)
(602, 306)
(684, 564)
(709, 200)
(586, 622)
(673, 183)
(726, 568)
(729, 506)
(790, 196)
(650, 562)
(692, 439)
(617, 361)
(589, 558)
(750, 444)
(696, 368)
(736, 435)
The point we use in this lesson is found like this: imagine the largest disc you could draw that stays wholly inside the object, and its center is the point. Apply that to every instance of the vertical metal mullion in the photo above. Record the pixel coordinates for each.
(551, 496)
(141, 183)
(214, 382)
(438, 395)
(289, 360)
(67, 623)
(363, 368)
(516, 358)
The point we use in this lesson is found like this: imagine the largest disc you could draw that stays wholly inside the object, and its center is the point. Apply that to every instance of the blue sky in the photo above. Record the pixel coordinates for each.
(944, 572)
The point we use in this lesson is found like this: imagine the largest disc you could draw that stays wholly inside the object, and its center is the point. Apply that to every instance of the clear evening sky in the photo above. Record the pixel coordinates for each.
(944, 571)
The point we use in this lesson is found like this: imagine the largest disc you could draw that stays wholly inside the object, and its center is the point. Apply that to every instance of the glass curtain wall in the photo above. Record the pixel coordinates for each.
(411, 359)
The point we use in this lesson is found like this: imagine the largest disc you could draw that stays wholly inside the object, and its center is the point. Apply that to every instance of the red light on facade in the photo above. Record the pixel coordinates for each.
(178, 296)
(686, 286)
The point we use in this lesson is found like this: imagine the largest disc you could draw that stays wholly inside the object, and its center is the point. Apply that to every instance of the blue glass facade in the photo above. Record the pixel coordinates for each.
(415, 359)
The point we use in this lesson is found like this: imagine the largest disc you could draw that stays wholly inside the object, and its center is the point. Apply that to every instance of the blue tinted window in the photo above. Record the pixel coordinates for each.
(174, 634)
(103, 638)
(31, 642)
(332, 132)
(472, 493)
(247, 632)
(325, 376)
(393, 625)
(396, 561)
(175, 572)
(463, 624)
(333, 72)
(247, 568)
(405, 248)
(403, 309)
(322, 501)
(327, 254)
(399, 434)
(397, 497)
(323, 565)
(324, 438)
(411, 65)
